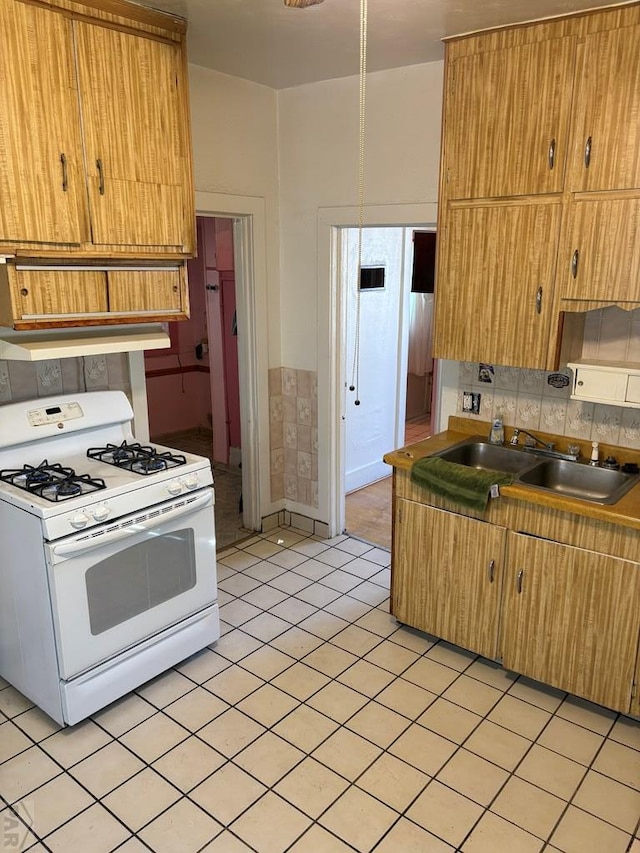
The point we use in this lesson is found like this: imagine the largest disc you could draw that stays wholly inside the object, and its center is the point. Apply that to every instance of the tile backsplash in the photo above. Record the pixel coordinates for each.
(293, 425)
(527, 399)
(26, 380)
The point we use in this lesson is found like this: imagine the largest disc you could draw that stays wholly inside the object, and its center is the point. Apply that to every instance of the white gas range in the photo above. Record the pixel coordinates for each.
(107, 564)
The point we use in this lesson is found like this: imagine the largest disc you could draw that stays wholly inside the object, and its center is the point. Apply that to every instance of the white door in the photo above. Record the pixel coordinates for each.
(376, 425)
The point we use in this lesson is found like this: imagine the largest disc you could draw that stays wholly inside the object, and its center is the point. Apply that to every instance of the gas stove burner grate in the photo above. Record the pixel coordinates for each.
(138, 458)
(51, 481)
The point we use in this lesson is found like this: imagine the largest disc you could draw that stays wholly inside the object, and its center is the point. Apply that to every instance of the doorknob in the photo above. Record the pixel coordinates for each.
(212, 287)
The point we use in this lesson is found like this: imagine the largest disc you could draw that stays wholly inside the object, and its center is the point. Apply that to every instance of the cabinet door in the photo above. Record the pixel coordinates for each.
(496, 268)
(602, 258)
(44, 294)
(145, 291)
(447, 575)
(572, 619)
(41, 170)
(134, 127)
(606, 140)
(506, 120)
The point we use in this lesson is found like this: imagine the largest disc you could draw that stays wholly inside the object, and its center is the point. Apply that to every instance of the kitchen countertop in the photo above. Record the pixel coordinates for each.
(625, 512)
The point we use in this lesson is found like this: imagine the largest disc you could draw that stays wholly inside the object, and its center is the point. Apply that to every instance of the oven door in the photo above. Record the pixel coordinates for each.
(118, 584)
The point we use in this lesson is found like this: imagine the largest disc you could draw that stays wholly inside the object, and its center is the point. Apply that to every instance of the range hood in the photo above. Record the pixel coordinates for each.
(70, 343)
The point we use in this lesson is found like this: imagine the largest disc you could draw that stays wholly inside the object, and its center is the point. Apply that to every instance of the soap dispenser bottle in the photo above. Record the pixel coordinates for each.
(496, 433)
(595, 454)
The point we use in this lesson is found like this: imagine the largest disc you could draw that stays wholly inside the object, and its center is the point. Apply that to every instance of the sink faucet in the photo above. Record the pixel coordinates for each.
(547, 445)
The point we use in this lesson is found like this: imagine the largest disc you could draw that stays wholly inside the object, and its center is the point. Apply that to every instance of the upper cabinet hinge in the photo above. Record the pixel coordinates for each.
(634, 690)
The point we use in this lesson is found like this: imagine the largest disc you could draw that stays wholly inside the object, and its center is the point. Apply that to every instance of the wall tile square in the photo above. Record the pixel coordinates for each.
(289, 382)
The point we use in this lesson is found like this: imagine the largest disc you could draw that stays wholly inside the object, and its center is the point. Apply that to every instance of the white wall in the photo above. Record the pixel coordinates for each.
(318, 145)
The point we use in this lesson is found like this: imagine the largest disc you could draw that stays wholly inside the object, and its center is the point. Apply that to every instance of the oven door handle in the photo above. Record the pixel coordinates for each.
(79, 546)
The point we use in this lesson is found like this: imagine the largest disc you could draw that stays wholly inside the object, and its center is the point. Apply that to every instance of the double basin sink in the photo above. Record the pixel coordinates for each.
(559, 476)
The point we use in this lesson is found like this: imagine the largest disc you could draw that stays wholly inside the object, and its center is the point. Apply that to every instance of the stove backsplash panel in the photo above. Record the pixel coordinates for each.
(26, 380)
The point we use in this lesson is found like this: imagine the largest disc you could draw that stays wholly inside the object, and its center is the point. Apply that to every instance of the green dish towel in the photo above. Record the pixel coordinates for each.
(469, 487)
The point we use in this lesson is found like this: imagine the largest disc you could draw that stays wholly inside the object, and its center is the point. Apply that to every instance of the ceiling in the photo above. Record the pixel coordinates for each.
(264, 41)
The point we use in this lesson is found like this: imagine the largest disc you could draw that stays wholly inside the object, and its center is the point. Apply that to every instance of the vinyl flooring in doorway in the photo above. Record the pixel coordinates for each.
(368, 510)
(227, 481)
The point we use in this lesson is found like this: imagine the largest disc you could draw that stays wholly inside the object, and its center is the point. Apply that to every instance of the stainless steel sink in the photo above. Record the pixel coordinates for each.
(579, 480)
(476, 452)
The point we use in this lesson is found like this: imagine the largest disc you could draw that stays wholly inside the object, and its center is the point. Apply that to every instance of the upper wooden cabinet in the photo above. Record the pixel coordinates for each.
(506, 118)
(546, 111)
(606, 115)
(95, 154)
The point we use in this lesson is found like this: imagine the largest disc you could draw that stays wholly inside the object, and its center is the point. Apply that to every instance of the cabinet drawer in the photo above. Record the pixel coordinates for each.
(618, 385)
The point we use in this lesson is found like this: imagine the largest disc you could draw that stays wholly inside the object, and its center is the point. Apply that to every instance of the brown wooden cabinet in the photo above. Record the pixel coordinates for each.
(572, 618)
(540, 112)
(447, 576)
(95, 152)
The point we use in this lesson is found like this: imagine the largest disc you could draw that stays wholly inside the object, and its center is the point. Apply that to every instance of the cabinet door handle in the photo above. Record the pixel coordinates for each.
(587, 152)
(491, 568)
(100, 176)
(539, 301)
(519, 581)
(574, 263)
(65, 176)
(552, 154)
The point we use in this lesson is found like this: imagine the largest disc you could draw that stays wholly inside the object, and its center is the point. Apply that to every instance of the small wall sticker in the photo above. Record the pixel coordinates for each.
(485, 373)
(558, 380)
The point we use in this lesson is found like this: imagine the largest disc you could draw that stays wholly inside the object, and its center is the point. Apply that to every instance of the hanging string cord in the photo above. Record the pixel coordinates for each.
(355, 373)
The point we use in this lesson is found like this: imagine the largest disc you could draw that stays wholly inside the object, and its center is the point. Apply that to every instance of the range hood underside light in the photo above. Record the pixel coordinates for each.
(38, 346)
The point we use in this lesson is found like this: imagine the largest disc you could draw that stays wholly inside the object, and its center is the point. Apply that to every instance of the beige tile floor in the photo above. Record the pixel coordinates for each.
(317, 724)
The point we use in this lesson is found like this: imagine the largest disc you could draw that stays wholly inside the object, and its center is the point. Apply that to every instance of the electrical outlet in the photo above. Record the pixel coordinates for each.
(475, 403)
(471, 402)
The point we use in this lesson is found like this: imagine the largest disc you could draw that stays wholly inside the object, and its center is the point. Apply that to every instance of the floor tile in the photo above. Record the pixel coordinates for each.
(579, 832)
(551, 771)
(238, 585)
(267, 662)
(317, 595)
(196, 709)
(330, 660)
(379, 622)
(269, 758)
(609, 800)
(548, 698)
(271, 824)
(570, 740)
(378, 724)
(319, 840)
(305, 728)
(359, 819)
(529, 807)
(203, 666)
(476, 778)
(296, 643)
(406, 698)
(12, 702)
(391, 656)
(12, 741)
(16, 834)
(266, 627)
(338, 701)
(625, 731)
(311, 787)
(393, 781)
(405, 836)
(497, 745)
(55, 803)
(165, 688)
(189, 763)
(293, 609)
(347, 754)
(233, 684)
(451, 656)
(520, 717)
(472, 694)
(183, 827)
(346, 607)
(26, 772)
(301, 681)
(324, 625)
(267, 705)
(236, 645)
(226, 842)
(366, 678)
(231, 732)
(493, 833)
(587, 714)
(153, 737)
(106, 769)
(445, 813)
(71, 745)
(141, 799)
(356, 640)
(36, 724)
(227, 793)
(449, 720)
(95, 829)
(619, 762)
(423, 749)
(491, 673)
(238, 612)
(265, 596)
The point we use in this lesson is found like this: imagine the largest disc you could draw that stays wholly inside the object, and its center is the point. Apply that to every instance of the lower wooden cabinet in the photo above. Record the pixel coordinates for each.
(560, 614)
(39, 297)
(571, 618)
(447, 575)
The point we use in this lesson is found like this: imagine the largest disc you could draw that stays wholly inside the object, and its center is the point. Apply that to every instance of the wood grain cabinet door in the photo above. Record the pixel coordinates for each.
(146, 291)
(136, 142)
(447, 575)
(506, 120)
(67, 294)
(606, 117)
(602, 257)
(496, 273)
(42, 188)
(572, 619)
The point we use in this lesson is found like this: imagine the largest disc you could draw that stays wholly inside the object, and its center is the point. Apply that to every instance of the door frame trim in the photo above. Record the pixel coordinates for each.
(331, 338)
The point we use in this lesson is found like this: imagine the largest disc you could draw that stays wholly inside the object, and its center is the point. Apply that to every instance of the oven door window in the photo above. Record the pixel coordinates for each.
(140, 578)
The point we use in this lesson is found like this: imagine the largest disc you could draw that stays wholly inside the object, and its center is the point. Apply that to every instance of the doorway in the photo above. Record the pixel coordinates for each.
(200, 376)
(386, 319)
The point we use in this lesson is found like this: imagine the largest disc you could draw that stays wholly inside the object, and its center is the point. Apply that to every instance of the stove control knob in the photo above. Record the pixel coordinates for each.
(175, 487)
(191, 481)
(79, 520)
(100, 512)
